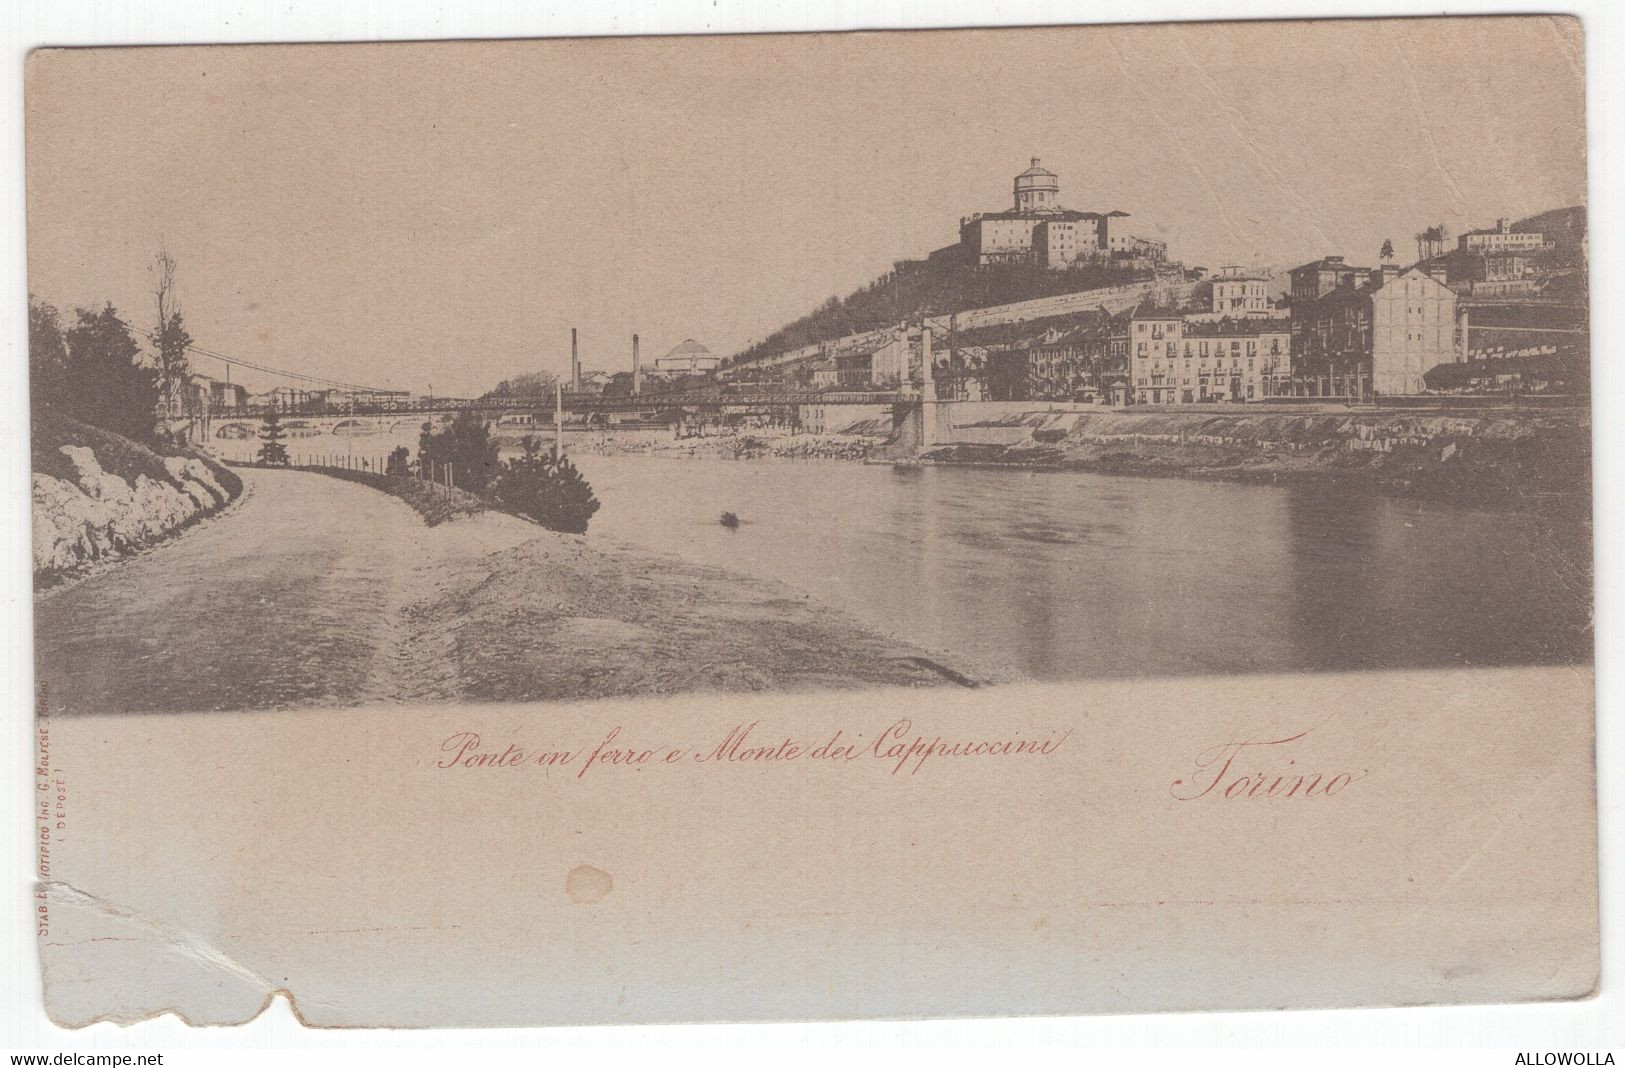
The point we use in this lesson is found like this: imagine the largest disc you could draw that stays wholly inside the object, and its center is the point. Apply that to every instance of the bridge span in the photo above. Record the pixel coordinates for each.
(245, 422)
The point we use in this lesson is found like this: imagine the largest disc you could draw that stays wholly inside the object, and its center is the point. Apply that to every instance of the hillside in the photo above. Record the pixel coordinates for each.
(97, 495)
(1564, 228)
(937, 287)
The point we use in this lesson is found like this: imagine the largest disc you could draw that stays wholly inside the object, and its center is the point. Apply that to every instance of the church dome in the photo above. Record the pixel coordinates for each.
(1035, 171)
(1036, 189)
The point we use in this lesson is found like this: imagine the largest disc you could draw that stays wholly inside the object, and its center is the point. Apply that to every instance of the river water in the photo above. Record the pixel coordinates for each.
(1059, 575)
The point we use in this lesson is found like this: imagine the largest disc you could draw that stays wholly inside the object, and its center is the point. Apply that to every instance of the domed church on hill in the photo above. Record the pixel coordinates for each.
(1038, 230)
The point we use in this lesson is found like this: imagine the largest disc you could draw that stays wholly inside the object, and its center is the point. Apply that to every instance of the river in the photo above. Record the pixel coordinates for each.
(1063, 575)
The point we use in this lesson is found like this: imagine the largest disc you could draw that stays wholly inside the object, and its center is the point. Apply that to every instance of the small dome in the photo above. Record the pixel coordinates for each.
(688, 348)
(1035, 171)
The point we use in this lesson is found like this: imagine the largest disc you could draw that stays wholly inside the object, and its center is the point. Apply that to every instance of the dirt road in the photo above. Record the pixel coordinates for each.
(313, 591)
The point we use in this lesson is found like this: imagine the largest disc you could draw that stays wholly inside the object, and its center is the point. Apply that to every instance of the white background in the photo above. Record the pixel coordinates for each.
(1595, 1024)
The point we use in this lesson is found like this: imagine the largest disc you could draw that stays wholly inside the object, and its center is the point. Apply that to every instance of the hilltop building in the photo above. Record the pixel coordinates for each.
(688, 358)
(1501, 237)
(1037, 230)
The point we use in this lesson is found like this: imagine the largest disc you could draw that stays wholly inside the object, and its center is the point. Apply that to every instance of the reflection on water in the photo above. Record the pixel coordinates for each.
(1056, 575)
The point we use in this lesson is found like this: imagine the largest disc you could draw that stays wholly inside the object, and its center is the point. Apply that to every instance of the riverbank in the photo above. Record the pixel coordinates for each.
(319, 592)
(1524, 461)
(436, 503)
(774, 443)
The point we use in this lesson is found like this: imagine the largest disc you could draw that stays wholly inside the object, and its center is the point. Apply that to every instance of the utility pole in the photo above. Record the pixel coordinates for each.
(558, 421)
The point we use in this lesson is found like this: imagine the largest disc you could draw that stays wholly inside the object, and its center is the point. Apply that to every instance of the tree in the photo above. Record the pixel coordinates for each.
(466, 446)
(1387, 252)
(531, 386)
(105, 383)
(552, 492)
(47, 354)
(400, 460)
(272, 451)
(171, 341)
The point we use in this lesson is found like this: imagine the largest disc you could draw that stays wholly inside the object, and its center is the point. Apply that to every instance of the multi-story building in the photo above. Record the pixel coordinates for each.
(1379, 337)
(1086, 361)
(1038, 230)
(1314, 280)
(1238, 293)
(1176, 360)
(1122, 246)
(1062, 242)
(1153, 341)
(225, 396)
(1501, 236)
(1496, 272)
(1245, 359)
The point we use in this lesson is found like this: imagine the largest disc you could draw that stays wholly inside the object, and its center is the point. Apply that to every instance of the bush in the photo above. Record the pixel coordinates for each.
(466, 446)
(399, 462)
(551, 492)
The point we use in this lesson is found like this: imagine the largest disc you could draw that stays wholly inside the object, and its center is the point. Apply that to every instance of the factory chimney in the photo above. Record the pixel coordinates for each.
(575, 364)
(637, 368)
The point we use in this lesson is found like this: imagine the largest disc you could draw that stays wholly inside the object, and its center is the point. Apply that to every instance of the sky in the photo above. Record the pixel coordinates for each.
(438, 216)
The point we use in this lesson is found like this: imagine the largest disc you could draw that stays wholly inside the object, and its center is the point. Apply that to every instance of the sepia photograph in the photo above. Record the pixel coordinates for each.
(635, 448)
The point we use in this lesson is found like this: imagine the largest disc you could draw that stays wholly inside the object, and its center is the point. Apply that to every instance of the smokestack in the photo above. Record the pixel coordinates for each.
(637, 368)
(575, 364)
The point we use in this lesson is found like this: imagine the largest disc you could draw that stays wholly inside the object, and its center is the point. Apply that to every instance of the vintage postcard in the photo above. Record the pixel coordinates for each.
(824, 526)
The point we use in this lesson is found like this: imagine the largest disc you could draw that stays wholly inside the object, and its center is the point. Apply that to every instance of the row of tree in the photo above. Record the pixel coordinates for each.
(93, 367)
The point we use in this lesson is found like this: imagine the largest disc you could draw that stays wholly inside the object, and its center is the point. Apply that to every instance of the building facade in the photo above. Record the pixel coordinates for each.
(1037, 230)
(1086, 362)
(1238, 293)
(1380, 337)
(1176, 361)
(1500, 237)
(1312, 281)
(688, 358)
(1153, 339)
(1238, 360)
